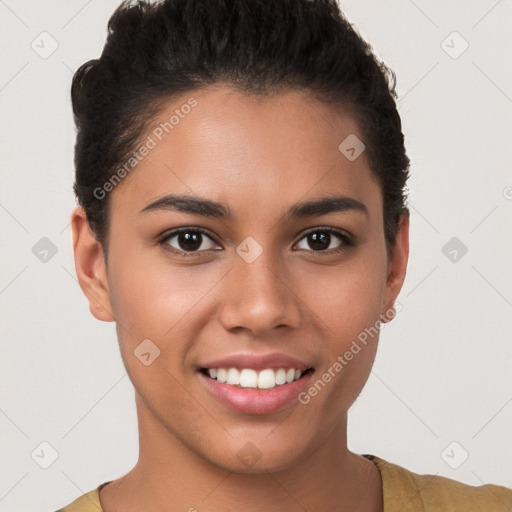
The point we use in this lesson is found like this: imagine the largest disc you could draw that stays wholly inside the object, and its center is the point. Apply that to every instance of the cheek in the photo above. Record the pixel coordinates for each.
(151, 297)
(349, 301)
(166, 304)
(348, 298)
(153, 305)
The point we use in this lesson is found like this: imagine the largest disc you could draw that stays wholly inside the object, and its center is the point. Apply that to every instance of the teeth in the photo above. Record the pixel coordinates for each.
(281, 376)
(267, 379)
(249, 378)
(233, 377)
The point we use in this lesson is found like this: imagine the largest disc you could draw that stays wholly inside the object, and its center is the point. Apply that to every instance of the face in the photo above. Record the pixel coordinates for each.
(255, 278)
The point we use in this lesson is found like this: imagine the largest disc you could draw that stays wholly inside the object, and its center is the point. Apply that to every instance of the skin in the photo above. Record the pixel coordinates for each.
(259, 156)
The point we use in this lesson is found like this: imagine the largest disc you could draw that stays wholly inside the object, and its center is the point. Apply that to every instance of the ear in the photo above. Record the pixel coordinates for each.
(90, 266)
(397, 267)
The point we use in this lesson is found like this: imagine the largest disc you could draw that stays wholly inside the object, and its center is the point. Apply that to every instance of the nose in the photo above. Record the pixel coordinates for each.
(258, 297)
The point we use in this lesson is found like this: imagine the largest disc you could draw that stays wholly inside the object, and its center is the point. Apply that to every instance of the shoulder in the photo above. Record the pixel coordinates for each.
(88, 502)
(407, 491)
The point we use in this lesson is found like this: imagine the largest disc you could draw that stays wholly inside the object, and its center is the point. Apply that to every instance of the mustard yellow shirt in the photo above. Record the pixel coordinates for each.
(403, 491)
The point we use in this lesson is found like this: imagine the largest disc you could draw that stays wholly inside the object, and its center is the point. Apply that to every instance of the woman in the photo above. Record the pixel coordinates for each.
(240, 169)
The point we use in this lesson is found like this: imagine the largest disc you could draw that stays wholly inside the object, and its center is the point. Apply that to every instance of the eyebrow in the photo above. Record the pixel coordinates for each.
(209, 208)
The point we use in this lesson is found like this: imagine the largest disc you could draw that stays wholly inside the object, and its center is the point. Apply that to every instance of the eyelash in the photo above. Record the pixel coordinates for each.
(347, 240)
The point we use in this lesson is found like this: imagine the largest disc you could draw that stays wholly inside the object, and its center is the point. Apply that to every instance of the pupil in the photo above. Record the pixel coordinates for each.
(318, 240)
(189, 242)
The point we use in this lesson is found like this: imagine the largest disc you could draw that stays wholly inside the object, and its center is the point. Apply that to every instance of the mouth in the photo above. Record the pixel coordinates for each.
(248, 378)
(248, 391)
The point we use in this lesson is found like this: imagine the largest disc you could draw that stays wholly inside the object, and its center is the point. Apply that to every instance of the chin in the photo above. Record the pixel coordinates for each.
(255, 457)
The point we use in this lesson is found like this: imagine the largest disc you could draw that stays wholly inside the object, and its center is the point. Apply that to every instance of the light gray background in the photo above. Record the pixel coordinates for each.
(443, 368)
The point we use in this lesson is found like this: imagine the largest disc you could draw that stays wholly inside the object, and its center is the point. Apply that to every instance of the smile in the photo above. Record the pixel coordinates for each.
(248, 378)
(255, 392)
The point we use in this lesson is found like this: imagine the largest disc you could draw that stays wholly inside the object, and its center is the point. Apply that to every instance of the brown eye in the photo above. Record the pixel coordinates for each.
(188, 240)
(324, 239)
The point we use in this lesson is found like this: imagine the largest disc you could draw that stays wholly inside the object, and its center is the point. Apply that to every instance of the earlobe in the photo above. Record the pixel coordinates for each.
(397, 265)
(90, 267)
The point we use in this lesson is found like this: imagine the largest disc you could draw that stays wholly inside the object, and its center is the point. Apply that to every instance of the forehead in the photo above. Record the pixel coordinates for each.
(253, 153)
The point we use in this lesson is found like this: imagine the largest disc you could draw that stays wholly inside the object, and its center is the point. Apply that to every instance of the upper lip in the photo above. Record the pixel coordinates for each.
(258, 362)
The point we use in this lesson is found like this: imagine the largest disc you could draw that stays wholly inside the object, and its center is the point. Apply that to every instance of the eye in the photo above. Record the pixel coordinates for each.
(187, 240)
(191, 241)
(321, 239)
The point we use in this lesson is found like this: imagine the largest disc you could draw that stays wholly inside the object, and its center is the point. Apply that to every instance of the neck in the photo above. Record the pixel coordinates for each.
(171, 476)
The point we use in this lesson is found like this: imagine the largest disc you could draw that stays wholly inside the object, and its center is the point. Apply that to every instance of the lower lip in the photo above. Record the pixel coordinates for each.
(253, 400)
